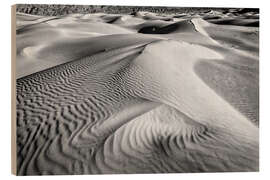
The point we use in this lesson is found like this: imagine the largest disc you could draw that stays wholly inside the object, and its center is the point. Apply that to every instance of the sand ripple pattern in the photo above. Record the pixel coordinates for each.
(87, 117)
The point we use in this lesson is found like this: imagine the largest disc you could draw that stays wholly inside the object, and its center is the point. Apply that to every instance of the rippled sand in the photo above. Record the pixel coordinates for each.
(140, 93)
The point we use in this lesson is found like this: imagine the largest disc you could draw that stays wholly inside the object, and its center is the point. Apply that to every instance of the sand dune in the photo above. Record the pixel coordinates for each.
(138, 93)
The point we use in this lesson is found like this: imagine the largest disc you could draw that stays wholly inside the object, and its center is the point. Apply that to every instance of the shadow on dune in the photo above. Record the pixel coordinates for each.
(237, 22)
(232, 82)
(182, 26)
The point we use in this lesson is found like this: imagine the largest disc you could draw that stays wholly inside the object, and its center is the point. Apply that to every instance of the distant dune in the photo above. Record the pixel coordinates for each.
(138, 93)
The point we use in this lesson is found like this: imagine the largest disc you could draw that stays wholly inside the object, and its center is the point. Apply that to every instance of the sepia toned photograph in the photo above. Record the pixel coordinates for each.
(102, 89)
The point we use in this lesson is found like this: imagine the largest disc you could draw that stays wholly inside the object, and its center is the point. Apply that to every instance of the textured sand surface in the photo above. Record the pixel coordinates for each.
(141, 93)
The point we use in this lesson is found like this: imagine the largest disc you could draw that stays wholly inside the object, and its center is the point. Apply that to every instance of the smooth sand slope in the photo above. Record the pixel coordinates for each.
(140, 93)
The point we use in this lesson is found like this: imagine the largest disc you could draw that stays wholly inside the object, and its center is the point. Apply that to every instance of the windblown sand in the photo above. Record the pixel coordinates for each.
(140, 93)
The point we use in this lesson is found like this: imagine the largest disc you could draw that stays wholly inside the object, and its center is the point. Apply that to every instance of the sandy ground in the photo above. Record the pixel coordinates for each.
(141, 93)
